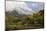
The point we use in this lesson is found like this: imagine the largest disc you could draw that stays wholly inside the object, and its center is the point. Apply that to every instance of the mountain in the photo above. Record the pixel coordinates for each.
(22, 8)
(14, 13)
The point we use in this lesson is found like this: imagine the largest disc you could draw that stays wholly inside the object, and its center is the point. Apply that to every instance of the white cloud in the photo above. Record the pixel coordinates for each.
(20, 7)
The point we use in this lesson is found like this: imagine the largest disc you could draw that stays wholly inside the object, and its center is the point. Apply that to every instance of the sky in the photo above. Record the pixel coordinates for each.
(24, 7)
(35, 5)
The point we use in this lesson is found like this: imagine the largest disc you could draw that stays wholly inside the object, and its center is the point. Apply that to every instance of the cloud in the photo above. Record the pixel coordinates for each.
(36, 6)
(20, 7)
(23, 7)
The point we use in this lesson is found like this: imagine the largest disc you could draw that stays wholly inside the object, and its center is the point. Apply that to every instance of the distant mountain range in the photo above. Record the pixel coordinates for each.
(23, 8)
(15, 13)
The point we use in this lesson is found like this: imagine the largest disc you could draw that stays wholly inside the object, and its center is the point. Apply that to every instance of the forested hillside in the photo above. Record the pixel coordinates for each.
(13, 21)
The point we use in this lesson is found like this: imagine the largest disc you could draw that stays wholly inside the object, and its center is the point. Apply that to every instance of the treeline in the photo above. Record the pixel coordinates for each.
(14, 22)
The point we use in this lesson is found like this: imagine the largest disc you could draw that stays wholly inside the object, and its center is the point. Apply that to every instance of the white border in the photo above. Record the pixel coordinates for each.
(45, 16)
(31, 0)
(2, 17)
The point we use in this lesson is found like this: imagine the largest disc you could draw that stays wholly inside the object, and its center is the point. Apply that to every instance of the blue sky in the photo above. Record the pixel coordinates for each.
(35, 5)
